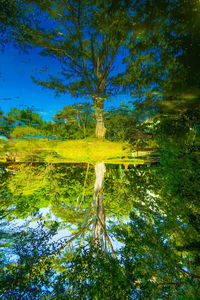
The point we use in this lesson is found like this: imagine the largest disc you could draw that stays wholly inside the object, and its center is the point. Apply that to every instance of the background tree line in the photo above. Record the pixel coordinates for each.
(72, 122)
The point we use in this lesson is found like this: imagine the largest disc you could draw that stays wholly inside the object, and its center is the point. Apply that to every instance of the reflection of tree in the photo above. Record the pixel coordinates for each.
(39, 271)
(28, 256)
(27, 179)
(87, 212)
(72, 195)
(161, 243)
(30, 187)
(98, 207)
(99, 233)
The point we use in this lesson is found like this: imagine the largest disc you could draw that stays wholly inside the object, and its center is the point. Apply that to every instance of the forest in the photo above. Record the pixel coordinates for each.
(102, 201)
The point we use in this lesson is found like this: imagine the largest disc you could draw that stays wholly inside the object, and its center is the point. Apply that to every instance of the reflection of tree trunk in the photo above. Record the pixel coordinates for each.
(100, 128)
(99, 216)
(99, 233)
(95, 216)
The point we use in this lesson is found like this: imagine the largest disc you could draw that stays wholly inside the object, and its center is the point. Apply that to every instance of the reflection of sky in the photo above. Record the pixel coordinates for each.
(65, 234)
(18, 90)
(17, 225)
(62, 235)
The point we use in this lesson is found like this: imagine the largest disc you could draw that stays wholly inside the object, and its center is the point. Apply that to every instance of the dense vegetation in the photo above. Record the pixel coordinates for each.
(131, 231)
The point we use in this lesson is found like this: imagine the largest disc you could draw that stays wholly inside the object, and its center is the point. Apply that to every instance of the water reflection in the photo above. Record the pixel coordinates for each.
(99, 202)
(81, 210)
(73, 192)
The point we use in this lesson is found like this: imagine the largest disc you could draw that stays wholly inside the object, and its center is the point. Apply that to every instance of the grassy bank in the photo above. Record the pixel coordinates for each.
(88, 150)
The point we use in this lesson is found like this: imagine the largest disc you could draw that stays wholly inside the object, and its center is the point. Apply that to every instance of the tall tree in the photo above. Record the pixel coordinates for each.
(155, 38)
(87, 37)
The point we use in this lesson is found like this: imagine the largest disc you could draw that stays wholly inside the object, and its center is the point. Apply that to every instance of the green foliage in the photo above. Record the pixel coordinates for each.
(161, 252)
(159, 257)
(86, 56)
(25, 131)
(152, 263)
(163, 50)
(75, 121)
(92, 275)
(27, 180)
(31, 269)
(17, 120)
(10, 14)
(120, 123)
(28, 271)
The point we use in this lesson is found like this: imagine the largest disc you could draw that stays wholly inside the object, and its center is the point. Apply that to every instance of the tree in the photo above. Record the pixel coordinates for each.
(163, 51)
(28, 261)
(153, 264)
(89, 38)
(75, 121)
(86, 37)
(121, 122)
(38, 269)
(16, 119)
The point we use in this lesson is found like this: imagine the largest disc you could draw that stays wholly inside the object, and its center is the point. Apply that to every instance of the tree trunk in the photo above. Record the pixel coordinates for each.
(99, 110)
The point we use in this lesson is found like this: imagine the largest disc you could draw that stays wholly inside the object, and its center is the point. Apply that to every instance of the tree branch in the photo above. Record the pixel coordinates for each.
(190, 274)
(107, 237)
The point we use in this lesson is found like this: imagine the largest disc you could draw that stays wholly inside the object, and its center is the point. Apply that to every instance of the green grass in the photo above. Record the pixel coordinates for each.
(91, 150)
(71, 151)
(88, 150)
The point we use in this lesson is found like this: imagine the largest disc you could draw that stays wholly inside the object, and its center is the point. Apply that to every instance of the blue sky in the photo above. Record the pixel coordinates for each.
(18, 90)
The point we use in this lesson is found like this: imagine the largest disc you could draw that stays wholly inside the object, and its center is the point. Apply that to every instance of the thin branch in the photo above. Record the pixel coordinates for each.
(109, 65)
(191, 274)
(73, 238)
(109, 242)
(93, 54)
(168, 283)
